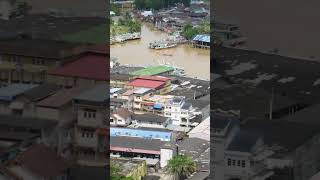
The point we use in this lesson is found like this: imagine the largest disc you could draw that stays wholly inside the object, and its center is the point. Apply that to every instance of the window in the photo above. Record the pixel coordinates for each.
(243, 163)
(38, 61)
(233, 162)
(238, 163)
(89, 113)
(229, 162)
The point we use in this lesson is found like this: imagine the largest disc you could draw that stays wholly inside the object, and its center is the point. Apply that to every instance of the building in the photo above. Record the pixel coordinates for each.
(134, 168)
(202, 131)
(6, 8)
(201, 41)
(238, 154)
(91, 115)
(153, 71)
(119, 80)
(160, 84)
(150, 120)
(144, 133)
(122, 117)
(25, 104)
(8, 98)
(180, 112)
(139, 95)
(33, 164)
(88, 69)
(28, 60)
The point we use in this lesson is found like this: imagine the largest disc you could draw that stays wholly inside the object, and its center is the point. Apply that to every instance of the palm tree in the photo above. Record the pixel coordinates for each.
(181, 166)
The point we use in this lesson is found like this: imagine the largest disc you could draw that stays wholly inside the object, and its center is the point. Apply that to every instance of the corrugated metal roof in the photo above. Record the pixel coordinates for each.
(9, 92)
(202, 37)
(141, 90)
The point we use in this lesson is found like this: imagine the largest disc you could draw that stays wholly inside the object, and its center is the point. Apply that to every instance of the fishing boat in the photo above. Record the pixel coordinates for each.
(165, 46)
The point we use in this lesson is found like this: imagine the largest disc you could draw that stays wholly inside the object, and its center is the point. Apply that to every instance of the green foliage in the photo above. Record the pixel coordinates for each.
(190, 31)
(181, 165)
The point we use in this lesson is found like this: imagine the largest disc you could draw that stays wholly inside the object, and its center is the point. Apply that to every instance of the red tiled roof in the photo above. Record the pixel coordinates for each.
(146, 83)
(90, 66)
(156, 78)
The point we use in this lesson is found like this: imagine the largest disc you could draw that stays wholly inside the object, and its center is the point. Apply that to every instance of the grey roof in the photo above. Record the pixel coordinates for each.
(287, 134)
(8, 93)
(17, 136)
(149, 117)
(99, 93)
(41, 91)
(198, 149)
(186, 105)
(221, 120)
(88, 172)
(26, 122)
(244, 141)
(50, 49)
(303, 88)
(137, 143)
(200, 103)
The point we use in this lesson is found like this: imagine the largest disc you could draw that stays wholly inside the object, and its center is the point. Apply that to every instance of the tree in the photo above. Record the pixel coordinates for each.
(189, 31)
(181, 166)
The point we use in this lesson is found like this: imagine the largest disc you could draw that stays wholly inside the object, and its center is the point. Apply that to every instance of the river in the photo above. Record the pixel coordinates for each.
(290, 26)
(195, 62)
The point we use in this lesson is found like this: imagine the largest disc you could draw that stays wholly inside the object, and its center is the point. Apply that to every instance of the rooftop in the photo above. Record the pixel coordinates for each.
(91, 66)
(42, 91)
(8, 93)
(36, 160)
(134, 144)
(50, 49)
(99, 94)
(149, 117)
(25, 122)
(61, 98)
(146, 83)
(152, 70)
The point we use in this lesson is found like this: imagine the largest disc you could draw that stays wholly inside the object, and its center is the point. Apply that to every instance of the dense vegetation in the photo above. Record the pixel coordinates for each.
(158, 4)
(181, 166)
(190, 31)
(126, 24)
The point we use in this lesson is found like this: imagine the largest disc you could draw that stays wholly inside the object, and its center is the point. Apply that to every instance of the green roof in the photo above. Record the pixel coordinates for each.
(153, 70)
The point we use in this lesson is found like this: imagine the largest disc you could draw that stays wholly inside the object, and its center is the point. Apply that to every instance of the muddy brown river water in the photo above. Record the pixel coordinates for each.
(196, 62)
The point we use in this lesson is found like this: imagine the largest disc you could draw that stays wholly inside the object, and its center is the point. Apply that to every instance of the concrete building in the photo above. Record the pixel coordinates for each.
(150, 120)
(122, 117)
(91, 115)
(180, 112)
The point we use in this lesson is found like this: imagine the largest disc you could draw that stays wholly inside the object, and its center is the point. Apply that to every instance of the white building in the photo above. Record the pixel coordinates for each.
(6, 7)
(180, 111)
(122, 117)
(238, 154)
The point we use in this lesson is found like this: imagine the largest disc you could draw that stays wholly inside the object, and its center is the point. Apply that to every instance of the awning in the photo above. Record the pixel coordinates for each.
(16, 105)
(157, 106)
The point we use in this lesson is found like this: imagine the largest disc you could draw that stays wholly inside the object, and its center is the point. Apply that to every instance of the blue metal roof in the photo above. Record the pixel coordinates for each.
(202, 37)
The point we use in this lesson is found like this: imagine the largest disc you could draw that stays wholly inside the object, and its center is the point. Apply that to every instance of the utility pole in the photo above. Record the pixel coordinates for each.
(271, 104)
